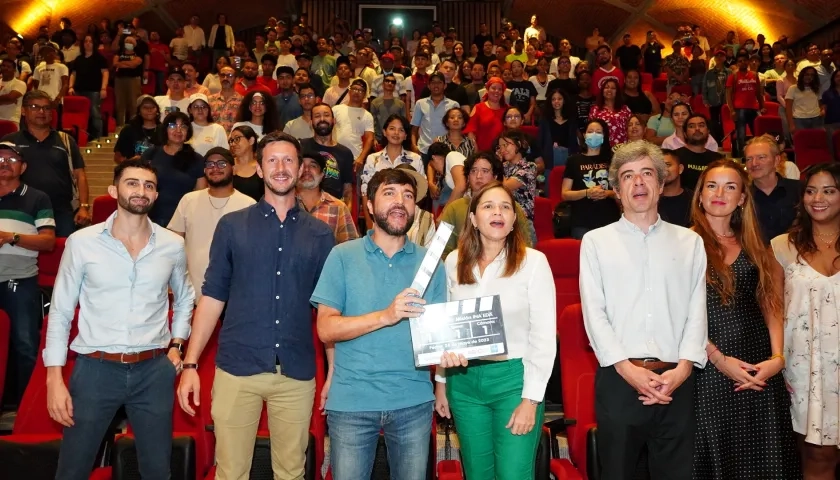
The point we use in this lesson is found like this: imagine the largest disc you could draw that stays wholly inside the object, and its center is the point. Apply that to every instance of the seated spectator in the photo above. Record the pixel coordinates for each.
(224, 106)
(248, 82)
(286, 99)
(257, 111)
(660, 127)
(301, 127)
(267, 76)
(513, 121)
(611, 109)
(455, 120)
(675, 201)
(635, 131)
(520, 175)
(354, 125)
(680, 114)
(586, 182)
(213, 82)
(523, 93)
(320, 204)
(339, 93)
(802, 102)
(695, 155)
(139, 134)
(445, 173)
(206, 133)
(775, 197)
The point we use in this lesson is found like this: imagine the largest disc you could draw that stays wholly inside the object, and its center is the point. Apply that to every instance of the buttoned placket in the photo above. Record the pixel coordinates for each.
(282, 240)
(650, 328)
(123, 251)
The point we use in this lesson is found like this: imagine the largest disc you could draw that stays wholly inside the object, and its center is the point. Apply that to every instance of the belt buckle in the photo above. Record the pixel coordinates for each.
(123, 355)
(649, 360)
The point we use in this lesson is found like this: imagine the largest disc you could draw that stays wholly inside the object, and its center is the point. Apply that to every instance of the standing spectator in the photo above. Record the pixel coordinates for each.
(12, 91)
(788, 80)
(324, 64)
(675, 202)
(802, 103)
(592, 43)
(523, 94)
(132, 363)
(320, 204)
(128, 70)
(534, 31)
(248, 82)
(221, 38)
(830, 103)
(224, 105)
(259, 112)
(69, 49)
(23, 69)
(286, 57)
(520, 175)
(175, 99)
(159, 61)
(179, 46)
(629, 55)
(259, 49)
(606, 70)
(301, 127)
(338, 93)
(611, 109)
(564, 78)
(714, 93)
(386, 105)
(565, 51)
(54, 163)
(447, 181)
(558, 133)
(681, 114)
(540, 80)
(485, 124)
(745, 97)
(195, 37)
(701, 41)
(354, 125)
(206, 133)
(584, 100)
(52, 77)
(140, 133)
(652, 54)
(89, 78)
(27, 228)
(338, 178)
(191, 85)
(454, 120)
(427, 119)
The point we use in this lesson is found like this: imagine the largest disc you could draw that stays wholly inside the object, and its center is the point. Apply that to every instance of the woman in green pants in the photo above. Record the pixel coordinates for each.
(497, 401)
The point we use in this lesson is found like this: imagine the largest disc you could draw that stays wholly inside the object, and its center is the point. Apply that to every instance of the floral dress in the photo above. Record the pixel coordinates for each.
(812, 346)
(617, 121)
(525, 172)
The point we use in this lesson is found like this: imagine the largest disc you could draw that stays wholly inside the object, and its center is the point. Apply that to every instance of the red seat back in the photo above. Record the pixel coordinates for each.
(103, 207)
(835, 140)
(647, 82)
(768, 124)
(772, 108)
(555, 184)
(697, 106)
(563, 256)
(810, 147)
(577, 372)
(4, 348)
(7, 127)
(148, 88)
(543, 213)
(75, 117)
(728, 127)
(48, 263)
(660, 85)
(108, 107)
(532, 131)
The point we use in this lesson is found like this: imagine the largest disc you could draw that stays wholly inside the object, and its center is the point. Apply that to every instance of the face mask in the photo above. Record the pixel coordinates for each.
(129, 47)
(594, 140)
(749, 47)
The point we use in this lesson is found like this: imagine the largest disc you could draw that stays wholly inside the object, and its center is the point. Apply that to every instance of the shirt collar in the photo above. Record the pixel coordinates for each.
(372, 247)
(108, 225)
(266, 209)
(630, 226)
(18, 192)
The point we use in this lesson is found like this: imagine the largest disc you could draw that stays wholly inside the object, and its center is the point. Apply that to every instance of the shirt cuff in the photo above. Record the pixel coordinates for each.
(533, 391)
(55, 358)
(608, 359)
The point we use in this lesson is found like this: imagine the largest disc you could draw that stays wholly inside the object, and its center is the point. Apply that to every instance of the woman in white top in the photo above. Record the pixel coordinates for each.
(212, 81)
(497, 401)
(540, 81)
(679, 114)
(447, 165)
(259, 112)
(206, 134)
(810, 256)
(802, 101)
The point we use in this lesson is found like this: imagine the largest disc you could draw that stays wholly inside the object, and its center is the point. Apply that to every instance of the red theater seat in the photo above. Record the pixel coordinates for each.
(48, 263)
(543, 214)
(555, 184)
(75, 118)
(647, 82)
(103, 207)
(4, 348)
(7, 127)
(563, 256)
(810, 147)
(772, 108)
(768, 124)
(108, 108)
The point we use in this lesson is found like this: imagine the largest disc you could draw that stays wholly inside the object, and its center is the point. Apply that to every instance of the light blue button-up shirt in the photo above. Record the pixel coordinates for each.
(429, 119)
(123, 303)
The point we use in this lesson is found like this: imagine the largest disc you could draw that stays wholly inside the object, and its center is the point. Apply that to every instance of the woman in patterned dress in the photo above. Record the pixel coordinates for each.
(742, 408)
(810, 255)
(611, 109)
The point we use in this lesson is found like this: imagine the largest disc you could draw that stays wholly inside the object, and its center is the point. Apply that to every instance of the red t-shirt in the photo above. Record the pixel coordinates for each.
(269, 83)
(157, 57)
(243, 90)
(601, 75)
(744, 87)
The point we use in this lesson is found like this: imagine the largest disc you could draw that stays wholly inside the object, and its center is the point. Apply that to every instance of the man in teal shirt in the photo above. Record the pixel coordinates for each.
(363, 304)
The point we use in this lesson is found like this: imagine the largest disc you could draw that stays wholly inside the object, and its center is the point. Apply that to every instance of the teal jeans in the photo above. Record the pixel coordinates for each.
(482, 398)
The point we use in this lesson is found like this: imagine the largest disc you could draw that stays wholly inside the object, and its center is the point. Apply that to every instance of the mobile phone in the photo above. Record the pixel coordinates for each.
(237, 61)
(126, 31)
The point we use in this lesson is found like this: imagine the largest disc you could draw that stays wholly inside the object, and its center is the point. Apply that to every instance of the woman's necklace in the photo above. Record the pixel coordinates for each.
(832, 237)
(727, 235)
(210, 197)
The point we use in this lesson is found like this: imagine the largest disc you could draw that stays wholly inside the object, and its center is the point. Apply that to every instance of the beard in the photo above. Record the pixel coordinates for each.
(280, 191)
(693, 140)
(310, 182)
(126, 204)
(323, 129)
(381, 219)
(224, 182)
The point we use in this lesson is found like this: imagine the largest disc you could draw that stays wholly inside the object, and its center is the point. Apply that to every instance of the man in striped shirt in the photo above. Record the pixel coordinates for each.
(27, 226)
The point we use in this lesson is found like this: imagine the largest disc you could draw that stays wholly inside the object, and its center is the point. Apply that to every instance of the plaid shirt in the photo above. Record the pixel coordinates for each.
(336, 215)
(224, 110)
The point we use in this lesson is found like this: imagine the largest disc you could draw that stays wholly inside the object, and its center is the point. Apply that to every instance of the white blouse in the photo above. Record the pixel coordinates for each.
(529, 311)
(205, 138)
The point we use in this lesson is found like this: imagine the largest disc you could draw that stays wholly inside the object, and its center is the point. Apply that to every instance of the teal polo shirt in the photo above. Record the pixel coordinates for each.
(375, 372)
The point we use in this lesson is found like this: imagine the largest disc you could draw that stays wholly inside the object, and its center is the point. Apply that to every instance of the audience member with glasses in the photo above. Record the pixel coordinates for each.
(243, 145)
(206, 133)
(180, 169)
(140, 133)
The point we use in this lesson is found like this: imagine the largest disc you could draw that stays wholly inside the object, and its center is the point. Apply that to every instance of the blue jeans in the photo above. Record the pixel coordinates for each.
(743, 118)
(95, 122)
(23, 305)
(65, 222)
(805, 123)
(98, 389)
(353, 438)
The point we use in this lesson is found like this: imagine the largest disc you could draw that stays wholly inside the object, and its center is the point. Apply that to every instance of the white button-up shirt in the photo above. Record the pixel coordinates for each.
(529, 311)
(644, 295)
(194, 37)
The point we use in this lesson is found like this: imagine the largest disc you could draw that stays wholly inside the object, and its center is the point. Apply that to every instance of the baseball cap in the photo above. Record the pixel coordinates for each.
(387, 56)
(303, 55)
(198, 96)
(176, 71)
(368, 30)
(145, 98)
(719, 52)
(224, 152)
(285, 69)
(12, 147)
(437, 76)
(359, 81)
(319, 158)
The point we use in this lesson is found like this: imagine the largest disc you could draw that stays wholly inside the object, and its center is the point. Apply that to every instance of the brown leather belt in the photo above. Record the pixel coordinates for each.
(128, 357)
(652, 363)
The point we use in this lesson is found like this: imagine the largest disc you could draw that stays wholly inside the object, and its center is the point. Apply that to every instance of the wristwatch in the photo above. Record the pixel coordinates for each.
(15, 239)
(179, 346)
(534, 402)
(85, 205)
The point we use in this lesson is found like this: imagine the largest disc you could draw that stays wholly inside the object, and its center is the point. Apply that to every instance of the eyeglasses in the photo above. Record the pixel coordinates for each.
(177, 126)
(234, 140)
(513, 117)
(220, 164)
(199, 107)
(308, 96)
(227, 75)
(257, 104)
(389, 81)
(40, 108)
(357, 90)
(10, 160)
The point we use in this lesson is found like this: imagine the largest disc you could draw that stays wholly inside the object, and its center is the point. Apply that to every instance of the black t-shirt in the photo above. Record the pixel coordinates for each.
(88, 72)
(521, 92)
(628, 56)
(777, 211)
(653, 55)
(453, 91)
(587, 172)
(173, 183)
(568, 85)
(339, 171)
(135, 140)
(140, 51)
(676, 209)
(694, 164)
(583, 106)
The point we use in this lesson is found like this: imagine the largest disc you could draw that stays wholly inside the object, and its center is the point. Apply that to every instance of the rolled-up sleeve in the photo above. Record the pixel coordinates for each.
(694, 338)
(65, 297)
(183, 294)
(542, 347)
(220, 266)
(608, 349)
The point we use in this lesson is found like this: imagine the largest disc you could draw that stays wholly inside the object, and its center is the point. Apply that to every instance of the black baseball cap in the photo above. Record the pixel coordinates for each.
(224, 152)
(319, 158)
(176, 71)
(304, 55)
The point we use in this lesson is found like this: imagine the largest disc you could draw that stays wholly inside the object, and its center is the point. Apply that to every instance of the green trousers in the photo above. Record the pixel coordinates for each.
(482, 398)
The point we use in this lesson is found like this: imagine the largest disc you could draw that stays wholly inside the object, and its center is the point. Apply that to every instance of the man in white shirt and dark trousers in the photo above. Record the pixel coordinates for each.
(643, 292)
(119, 274)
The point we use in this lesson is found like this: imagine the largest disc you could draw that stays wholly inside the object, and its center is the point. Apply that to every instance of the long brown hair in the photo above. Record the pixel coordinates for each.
(801, 234)
(469, 242)
(744, 224)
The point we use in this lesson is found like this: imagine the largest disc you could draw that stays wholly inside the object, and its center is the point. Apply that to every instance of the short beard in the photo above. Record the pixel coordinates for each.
(310, 184)
(323, 131)
(381, 220)
(224, 182)
(698, 142)
(278, 192)
(126, 204)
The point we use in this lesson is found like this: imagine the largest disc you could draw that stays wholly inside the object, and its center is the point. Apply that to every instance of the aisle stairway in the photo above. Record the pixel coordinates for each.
(99, 165)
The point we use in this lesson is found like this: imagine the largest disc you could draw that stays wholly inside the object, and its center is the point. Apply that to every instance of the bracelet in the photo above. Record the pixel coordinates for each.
(586, 193)
(440, 379)
(193, 366)
(778, 355)
(709, 356)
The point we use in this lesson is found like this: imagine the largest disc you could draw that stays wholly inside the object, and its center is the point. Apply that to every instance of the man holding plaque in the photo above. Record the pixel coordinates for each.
(363, 299)
(643, 292)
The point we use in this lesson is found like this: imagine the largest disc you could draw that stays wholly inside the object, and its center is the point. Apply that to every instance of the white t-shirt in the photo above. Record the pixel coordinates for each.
(332, 95)
(197, 216)
(350, 124)
(180, 48)
(288, 60)
(805, 102)
(257, 128)
(11, 111)
(71, 53)
(541, 89)
(552, 69)
(453, 159)
(167, 105)
(24, 68)
(49, 77)
(299, 128)
(205, 138)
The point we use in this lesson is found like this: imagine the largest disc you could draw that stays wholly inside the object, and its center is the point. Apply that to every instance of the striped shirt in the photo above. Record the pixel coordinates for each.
(24, 211)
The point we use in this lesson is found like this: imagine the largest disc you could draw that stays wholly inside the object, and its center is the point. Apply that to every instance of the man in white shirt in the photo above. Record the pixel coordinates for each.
(22, 69)
(534, 31)
(11, 92)
(565, 49)
(52, 77)
(643, 293)
(179, 45)
(195, 37)
(199, 212)
(354, 124)
(175, 99)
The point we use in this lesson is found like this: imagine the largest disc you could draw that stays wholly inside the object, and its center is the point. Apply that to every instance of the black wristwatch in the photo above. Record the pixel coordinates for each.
(15, 239)
(179, 346)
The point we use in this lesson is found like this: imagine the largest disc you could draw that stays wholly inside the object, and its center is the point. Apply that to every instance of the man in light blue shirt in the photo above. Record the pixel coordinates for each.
(363, 304)
(427, 119)
(119, 273)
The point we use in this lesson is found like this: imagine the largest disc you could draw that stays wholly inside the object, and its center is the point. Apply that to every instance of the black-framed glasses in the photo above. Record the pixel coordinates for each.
(200, 106)
(308, 96)
(220, 164)
(40, 108)
(234, 140)
(177, 126)
(389, 81)
(9, 160)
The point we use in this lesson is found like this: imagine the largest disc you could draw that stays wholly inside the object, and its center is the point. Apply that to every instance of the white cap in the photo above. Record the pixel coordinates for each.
(198, 96)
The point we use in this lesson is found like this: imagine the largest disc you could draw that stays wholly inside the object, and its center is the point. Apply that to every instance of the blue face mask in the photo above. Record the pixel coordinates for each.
(129, 47)
(594, 140)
